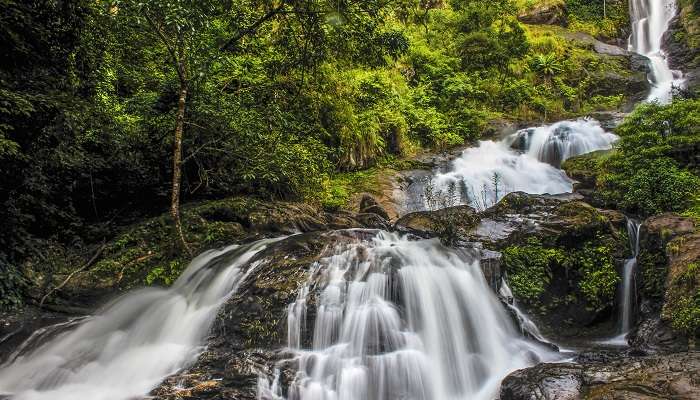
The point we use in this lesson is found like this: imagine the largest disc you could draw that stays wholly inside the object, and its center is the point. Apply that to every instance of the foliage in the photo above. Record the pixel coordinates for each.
(651, 171)
(684, 301)
(532, 265)
(12, 284)
(286, 100)
(599, 278)
(529, 268)
(600, 18)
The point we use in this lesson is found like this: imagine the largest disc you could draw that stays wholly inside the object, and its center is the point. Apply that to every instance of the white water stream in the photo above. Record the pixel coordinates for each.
(127, 349)
(401, 319)
(650, 20)
(526, 161)
(395, 318)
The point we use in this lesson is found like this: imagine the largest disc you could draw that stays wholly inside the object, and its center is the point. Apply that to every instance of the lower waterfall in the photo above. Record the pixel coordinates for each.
(395, 318)
(135, 342)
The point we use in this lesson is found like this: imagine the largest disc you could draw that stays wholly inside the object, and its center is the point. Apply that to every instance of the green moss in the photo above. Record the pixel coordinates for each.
(652, 265)
(683, 303)
(529, 268)
(590, 268)
(598, 275)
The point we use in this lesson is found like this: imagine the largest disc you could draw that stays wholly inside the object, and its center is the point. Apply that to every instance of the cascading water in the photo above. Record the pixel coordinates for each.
(135, 342)
(526, 161)
(400, 319)
(527, 326)
(626, 292)
(650, 20)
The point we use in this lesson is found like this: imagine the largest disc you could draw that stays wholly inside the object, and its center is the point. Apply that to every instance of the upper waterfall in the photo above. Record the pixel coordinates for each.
(650, 20)
(526, 161)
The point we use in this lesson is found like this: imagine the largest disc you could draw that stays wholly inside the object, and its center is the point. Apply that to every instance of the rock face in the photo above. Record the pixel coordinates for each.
(560, 254)
(251, 326)
(668, 376)
(669, 280)
(681, 42)
(547, 14)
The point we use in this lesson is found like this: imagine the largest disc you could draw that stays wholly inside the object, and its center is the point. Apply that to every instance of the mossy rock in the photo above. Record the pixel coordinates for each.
(669, 281)
(561, 255)
(150, 252)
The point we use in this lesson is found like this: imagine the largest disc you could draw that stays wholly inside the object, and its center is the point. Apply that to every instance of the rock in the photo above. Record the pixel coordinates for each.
(609, 49)
(368, 204)
(635, 87)
(547, 239)
(250, 327)
(550, 382)
(640, 63)
(665, 376)
(431, 223)
(668, 281)
(546, 14)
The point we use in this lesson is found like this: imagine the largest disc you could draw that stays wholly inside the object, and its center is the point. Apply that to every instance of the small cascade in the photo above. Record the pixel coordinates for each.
(395, 318)
(650, 20)
(553, 144)
(527, 161)
(527, 326)
(135, 342)
(627, 289)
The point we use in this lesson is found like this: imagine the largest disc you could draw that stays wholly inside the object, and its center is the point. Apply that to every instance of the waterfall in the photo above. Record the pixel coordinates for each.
(626, 292)
(527, 161)
(527, 326)
(397, 318)
(128, 348)
(650, 20)
(627, 289)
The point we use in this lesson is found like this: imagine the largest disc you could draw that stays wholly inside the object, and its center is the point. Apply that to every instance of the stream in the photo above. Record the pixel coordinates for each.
(396, 317)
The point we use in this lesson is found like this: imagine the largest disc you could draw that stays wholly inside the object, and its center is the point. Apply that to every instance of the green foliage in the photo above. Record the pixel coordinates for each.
(12, 285)
(683, 305)
(529, 268)
(164, 275)
(599, 278)
(651, 171)
(600, 18)
(546, 65)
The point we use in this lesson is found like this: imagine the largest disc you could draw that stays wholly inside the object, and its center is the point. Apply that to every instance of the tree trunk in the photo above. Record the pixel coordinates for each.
(177, 164)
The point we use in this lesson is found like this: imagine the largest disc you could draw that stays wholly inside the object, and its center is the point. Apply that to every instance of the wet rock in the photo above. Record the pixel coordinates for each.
(546, 241)
(545, 14)
(668, 283)
(368, 204)
(552, 381)
(666, 376)
(251, 325)
(435, 223)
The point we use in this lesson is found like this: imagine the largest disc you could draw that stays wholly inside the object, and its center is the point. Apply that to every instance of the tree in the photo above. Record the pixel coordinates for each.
(199, 35)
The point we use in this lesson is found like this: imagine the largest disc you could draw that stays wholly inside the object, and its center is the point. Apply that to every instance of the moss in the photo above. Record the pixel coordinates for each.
(683, 302)
(586, 168)
(599, 278)
(529, 268)
(589, 270)
(653, 266)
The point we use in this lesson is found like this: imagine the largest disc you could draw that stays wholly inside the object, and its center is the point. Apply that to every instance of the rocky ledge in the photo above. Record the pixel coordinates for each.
(672, 376)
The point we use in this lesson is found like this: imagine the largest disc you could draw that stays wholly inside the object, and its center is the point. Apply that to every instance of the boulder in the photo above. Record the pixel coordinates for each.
(668, 281)
(665, 376)
(369, 204)
(556, 250)
(545, 14)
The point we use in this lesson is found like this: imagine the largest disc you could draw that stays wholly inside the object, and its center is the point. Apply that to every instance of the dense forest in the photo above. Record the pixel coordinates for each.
(136, 134)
